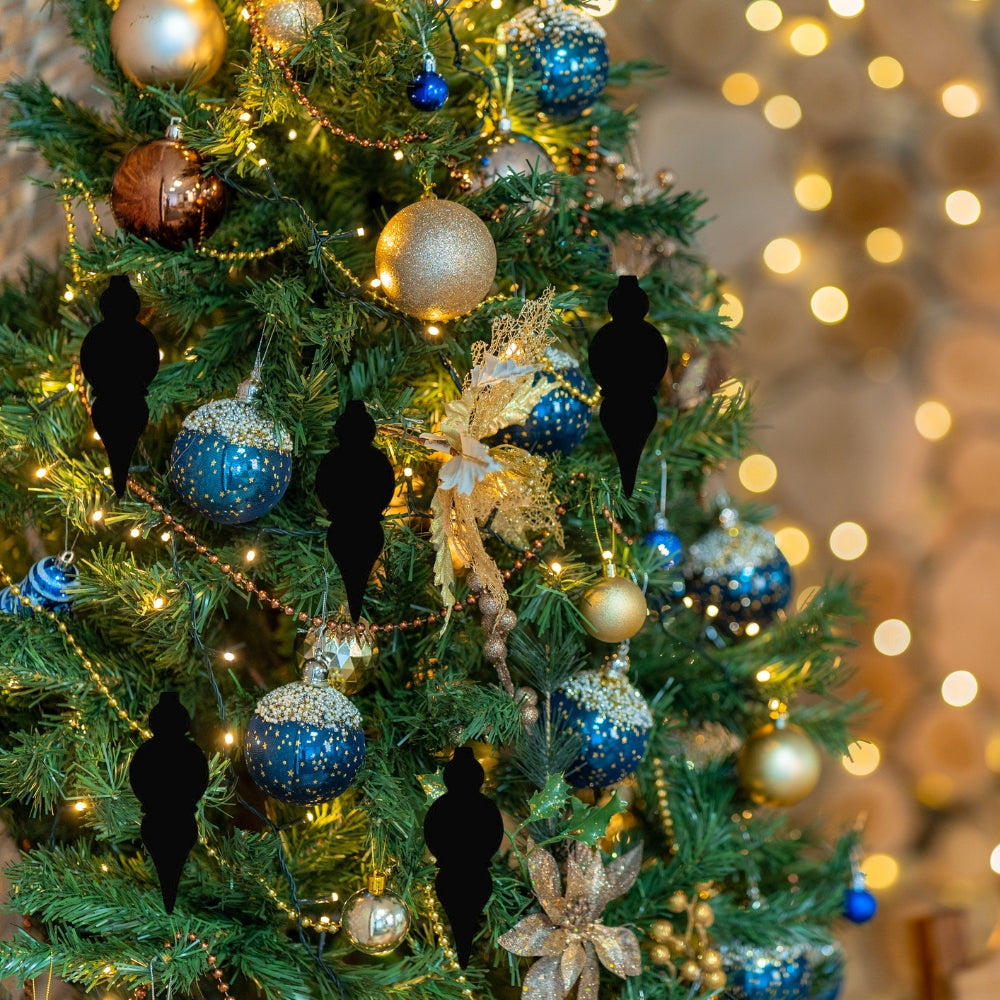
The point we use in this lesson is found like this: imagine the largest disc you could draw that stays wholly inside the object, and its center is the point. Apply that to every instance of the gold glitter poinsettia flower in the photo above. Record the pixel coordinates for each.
(568, 938)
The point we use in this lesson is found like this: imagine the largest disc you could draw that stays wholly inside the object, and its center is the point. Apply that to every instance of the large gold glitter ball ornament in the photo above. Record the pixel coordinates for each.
(160, 192)
(289, 23)
(435, 260)
(779, 765)
(614, 608)
(375, 919)
(164, 42)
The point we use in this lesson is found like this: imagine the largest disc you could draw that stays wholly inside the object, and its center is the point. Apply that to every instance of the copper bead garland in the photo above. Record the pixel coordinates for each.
(435, 260)
(164, 42)
(159, 192)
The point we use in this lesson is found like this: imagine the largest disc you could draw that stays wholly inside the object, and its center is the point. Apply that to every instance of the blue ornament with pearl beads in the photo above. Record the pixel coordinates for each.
(304, 743)
(49, 584)
(613, 719)
(229, 462)
(567, 49)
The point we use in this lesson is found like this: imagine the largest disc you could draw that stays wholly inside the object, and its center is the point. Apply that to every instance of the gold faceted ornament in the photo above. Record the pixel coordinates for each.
(614, 608)
(435, 260)
(289, 23)
(346, 658)
(164, 42)
(779, 765)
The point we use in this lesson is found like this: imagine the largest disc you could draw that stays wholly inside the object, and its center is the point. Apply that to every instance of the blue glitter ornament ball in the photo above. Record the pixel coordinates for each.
(778, 973)
(567, 49)
(827, 964)
(739, 570)
(859, 904)
(49, 583)
(428, 90)
(614, 720)
(304, 743)
(560, 419)
(230, 463)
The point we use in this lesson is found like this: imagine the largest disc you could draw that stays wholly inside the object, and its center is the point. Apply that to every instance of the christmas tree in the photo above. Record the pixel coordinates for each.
(344, 651)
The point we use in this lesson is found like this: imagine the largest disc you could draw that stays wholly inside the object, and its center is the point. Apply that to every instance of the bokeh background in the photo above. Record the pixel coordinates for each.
(850, 154)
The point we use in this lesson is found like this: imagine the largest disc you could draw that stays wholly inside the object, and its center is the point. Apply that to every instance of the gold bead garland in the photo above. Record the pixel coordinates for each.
(238, 255)
(92, 667)
(663, 804)
(440, 933)
(588, 399)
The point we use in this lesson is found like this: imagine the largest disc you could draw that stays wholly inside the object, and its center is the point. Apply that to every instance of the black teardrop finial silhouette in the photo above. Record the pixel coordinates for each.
(355, 483)
(628, 358)
(119, 359)
(463, 830)
(169, 774)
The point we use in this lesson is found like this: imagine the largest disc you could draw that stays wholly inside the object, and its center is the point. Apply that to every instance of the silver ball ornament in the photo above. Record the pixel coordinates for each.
(164, 42)
(375, 922)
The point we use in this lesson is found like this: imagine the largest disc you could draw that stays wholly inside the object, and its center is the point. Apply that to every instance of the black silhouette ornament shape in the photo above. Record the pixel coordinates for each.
(355, 483)
(463, 830)
(119, 358)
(169, 774)
(628, 358)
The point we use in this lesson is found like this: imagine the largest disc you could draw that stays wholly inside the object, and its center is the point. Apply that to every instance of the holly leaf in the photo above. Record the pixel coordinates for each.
(551, 800)
(589, 823)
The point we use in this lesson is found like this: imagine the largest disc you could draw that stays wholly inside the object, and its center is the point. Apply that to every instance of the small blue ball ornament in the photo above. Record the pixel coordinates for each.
(859, 904)
(614, 721)
(229, 462)
(739, 570)
(49, 583)
(777, 973)
(567, 49)
(669, 550)
(428, 90)
(304, 743)
(560, 419)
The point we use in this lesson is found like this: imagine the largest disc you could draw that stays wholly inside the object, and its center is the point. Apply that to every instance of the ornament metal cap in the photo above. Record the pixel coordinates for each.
(609, 565)
(173, 130)
(65, 558)
(248, 389)
(430, 63)
(376, 882)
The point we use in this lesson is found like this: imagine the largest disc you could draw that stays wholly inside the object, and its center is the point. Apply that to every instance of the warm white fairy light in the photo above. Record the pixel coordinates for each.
(892, 637)
(251, 145)
(292, 135)
(164, 536)
(250, 555)
(245, 117)
(783, 111)
(881, 870)
(360, 230)
(752, 629)
(687, 601)
(932, 420)
(556, 567)
(595, 8)
(793, 543)
(262, 162)
(782, 255)
(758, 473)
(959, 688)
(229, 656)
(829, 304)
(398, 155)
(884, 245)
(158, 602)
(96, 436)
(763, 675)
(41, 472)
(808, 38)
(961, 99)
(848, 540)
(107, 470)
(962, 207)
(740, 88)
(97, 515)
(711, 611)
(229, 739)
(763, 15)
(68, 295)
(862, 758)
(885, 72)
(730, 310)
(80, 806)
(135, 532)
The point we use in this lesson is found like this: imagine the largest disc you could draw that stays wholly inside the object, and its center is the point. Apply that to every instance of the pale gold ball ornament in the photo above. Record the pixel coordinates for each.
(779, 765)
(163, 42)
(288, 23)
(435, 260)
(614, 608)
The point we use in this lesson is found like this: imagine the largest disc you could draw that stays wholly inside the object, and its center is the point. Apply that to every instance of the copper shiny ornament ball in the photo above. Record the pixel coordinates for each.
(158, 192)
(614, 609)
(163, 42)
(435, 260)
(779, 765)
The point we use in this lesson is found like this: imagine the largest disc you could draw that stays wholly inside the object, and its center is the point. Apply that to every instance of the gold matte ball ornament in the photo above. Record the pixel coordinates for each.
(614, 608)
(779, 765)
(435, 260)
(163, 42)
